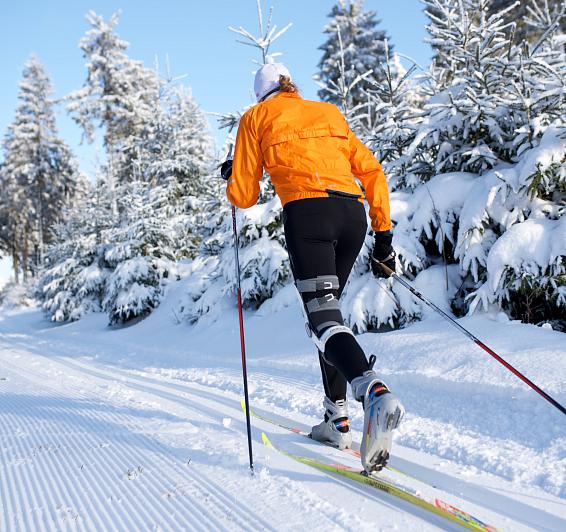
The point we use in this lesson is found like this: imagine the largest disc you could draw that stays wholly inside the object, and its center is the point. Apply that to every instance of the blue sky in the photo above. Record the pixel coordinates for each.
(194, 34)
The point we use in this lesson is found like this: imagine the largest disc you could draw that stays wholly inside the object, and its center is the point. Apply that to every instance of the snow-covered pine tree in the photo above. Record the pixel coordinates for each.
(10, 219)
(353, 56)
(489, 132)
(73, 281)
(175, 152)
(141, 253)
(39, 175)
(472, 120)
(392, 118)
(175, 143)
(120, 95)
(479, 212)
(528, 15)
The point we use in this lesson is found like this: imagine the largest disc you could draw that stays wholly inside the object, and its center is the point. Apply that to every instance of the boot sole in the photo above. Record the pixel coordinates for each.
(380, 458)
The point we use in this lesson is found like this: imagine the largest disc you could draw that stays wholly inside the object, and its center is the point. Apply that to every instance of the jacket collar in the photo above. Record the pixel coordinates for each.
(282, 94)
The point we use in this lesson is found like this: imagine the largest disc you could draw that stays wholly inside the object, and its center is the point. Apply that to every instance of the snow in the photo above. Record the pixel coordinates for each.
(528, 246)
(5, 271)
(140, 427)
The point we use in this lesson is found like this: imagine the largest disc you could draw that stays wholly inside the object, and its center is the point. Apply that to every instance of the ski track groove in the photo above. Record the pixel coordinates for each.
(96, 372)
(100, 479)
(139, 523)
(157, 448)
(30, 489)
(155, 388)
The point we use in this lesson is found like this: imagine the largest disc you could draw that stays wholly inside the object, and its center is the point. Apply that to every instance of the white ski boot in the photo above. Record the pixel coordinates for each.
(382, 414)
(335, 429)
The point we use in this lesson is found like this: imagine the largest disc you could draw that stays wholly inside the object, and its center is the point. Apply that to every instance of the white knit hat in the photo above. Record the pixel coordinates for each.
(267, 78)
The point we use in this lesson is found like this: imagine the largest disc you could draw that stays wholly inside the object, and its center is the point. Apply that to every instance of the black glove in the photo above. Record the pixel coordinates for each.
(226, 169)
(382, 252)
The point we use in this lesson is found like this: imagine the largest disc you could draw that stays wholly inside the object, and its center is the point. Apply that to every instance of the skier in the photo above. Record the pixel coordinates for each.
(312, 157)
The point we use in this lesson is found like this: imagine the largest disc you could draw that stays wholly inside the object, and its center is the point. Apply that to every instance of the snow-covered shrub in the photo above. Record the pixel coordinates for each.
(141, 255)
(512, 238)
(14, 295)
(74, 285)
(264, 263)
(73, 280)
(527, 272)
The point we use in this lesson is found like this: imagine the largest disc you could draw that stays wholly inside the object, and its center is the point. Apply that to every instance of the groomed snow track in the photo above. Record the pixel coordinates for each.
(89, 444)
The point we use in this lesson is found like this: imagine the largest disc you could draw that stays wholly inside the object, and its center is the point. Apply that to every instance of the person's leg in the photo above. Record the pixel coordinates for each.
(342, 350)
(324, 236)
(310, 233)
(335, 384)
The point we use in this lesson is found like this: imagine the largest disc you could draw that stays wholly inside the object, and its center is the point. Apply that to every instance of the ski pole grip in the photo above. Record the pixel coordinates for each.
(386, 269)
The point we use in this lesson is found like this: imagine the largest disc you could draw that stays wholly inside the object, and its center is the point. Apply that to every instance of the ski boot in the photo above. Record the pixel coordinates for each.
(335, 429)
(382, 414)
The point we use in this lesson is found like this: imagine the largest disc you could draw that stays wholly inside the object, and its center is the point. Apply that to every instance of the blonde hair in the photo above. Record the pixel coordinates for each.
(286, 85)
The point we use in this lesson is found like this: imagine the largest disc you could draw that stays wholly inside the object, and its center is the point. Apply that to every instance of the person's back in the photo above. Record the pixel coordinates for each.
(305, 147)
(309, 151)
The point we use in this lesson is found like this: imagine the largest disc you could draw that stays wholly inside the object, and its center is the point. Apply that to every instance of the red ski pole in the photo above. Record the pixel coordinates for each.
(242, 340)
(478, 342)
(241, 320)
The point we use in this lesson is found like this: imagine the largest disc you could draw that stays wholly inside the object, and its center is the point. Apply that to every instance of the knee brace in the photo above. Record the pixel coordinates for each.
(321, 309)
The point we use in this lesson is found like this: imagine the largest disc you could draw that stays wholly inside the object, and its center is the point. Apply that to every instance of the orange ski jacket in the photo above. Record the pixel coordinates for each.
(309, 151)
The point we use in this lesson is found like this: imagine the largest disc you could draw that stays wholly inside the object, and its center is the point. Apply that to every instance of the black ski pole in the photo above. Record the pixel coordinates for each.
(478, 342)
(242, 340)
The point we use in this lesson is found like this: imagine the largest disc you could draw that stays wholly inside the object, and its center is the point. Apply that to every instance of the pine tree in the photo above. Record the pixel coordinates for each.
(141, 254)
(479, 206)
(176, 143)
(392, 120)
(354, 56)
(528, 15)
(39, 175)
(73, 282)
(9, 220)
(120, 95)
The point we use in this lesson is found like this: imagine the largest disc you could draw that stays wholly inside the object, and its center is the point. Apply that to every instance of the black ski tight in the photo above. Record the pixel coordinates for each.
(324, 237)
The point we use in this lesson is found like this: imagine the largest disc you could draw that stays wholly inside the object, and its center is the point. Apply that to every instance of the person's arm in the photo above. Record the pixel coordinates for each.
(247, 168)
(368, 170)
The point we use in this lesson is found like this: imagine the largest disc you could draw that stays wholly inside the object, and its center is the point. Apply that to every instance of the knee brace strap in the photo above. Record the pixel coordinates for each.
(329, 333)
(320, 304)
(322, 282)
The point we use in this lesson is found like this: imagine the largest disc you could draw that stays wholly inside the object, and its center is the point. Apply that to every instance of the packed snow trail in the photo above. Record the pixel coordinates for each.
(141, 427)
(85, 448)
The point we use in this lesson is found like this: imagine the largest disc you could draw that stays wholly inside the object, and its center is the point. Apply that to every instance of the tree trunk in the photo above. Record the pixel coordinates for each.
(16, 265)
(25, 256)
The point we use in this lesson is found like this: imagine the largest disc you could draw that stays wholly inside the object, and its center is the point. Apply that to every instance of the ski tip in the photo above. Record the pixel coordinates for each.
(266, 441)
